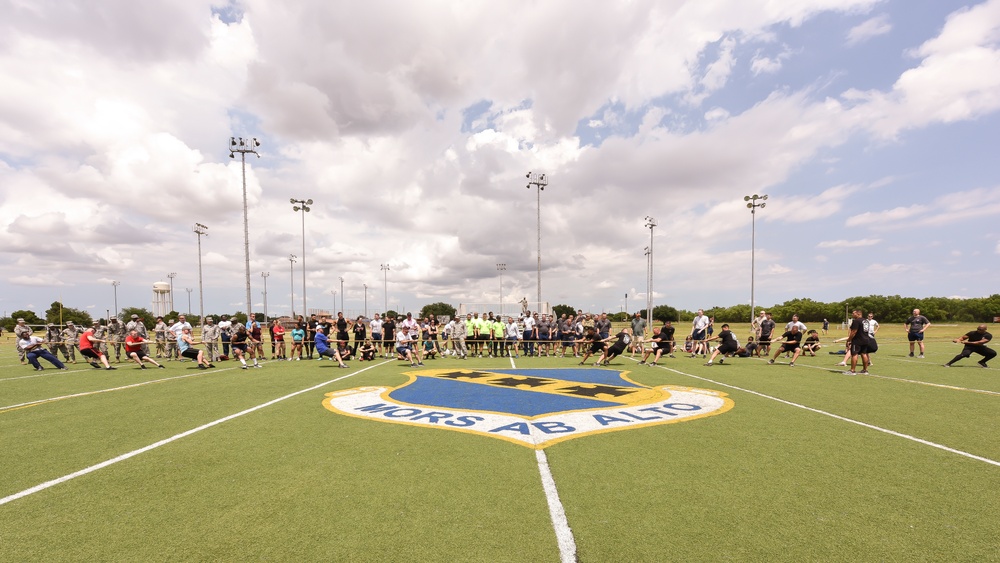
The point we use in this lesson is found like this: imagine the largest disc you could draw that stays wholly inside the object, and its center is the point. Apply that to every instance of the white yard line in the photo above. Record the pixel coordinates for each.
(904, 380)
(174, 438)
(842, 418)
(48, 372)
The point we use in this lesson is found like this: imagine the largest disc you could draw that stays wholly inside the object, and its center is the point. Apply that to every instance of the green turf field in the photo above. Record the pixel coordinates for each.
(232, 465)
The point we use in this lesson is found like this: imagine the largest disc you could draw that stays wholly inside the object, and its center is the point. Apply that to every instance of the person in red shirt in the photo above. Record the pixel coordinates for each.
(88, 350)
(133, 350)
(278, 338)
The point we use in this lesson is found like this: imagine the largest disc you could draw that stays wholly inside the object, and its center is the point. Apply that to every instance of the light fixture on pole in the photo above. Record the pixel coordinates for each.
(291, 279)
(366, 299)
(501, 268)
(115, 284)
(189, 290)
(650, 224)
(539, 181)
(244, 146)
(265, 275)
(200, 230)
(385, 287)
(341, 295)
(334, 292)
(303, 206)
(752, 205)
(171, 275)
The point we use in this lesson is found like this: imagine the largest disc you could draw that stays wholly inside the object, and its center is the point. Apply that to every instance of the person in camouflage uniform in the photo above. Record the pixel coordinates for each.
(139, 327)
(53, 337)
(70, 340)
(22, 331)
(160, 330)
(210, 336)
(115, 334)
(101, 333)
(171, 343)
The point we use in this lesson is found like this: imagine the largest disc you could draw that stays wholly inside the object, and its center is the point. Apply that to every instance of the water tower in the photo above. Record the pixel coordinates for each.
(161, 299)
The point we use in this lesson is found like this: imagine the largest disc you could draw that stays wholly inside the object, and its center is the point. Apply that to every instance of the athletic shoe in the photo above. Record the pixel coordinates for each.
(722, 360)
(211, 365)
(142, 367)
(109, 368)
(770, 361)
(39, 369)
(161, 367)
(911, 354)
(257, 366)
(420, 363)
(94, 365)
(641, 363)
(842, 364)
(201, 367)
(671, 356)
(243, 367)
(864, 372)
(652, 363)
(791, 364)
(67, 369)
(708, 364)
(982, 365)
(921, 356)
(848, 373)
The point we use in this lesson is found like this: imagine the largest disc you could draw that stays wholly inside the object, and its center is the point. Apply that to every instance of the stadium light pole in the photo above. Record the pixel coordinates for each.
(171, 275)
(303, 206)
(291, 280)
(385, 287)
(189, 290)
(334, 308)
(244, 146)
(115, 285)
(200, 230)
(264, 275)
(539, 181)
(366, 299)
(650, 224)
(752, 205)
(501, 268)
(341, 294)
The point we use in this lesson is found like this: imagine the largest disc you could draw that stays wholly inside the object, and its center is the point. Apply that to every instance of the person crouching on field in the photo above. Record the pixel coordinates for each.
(324, 349)
(134, 351)
(88, 350)
(186, 343)
(728, 344)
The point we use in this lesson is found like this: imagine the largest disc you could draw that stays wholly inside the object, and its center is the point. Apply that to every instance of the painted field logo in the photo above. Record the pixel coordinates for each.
(532, 407)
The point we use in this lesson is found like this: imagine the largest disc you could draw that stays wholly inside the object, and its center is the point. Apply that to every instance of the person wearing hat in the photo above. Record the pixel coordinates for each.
(53, 336)
(210, 336)
(115, 335)
(160, 334)
(21, 331)
(70, 336)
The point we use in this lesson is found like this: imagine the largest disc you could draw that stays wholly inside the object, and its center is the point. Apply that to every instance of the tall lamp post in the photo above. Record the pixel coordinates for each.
(200, 230)
(650, 224)
(501, 268)
(171, 275)
(265, 275)
(291, 280)
(752, 205)
(189, 290)
(341, 294)
(539, 181)
(115, 284)
(334, 292)
(303, 206)
(244, 146)
(366, 299)
(385, 287)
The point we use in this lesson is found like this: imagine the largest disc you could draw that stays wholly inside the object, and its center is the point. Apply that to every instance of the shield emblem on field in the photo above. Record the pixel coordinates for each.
(531, 407)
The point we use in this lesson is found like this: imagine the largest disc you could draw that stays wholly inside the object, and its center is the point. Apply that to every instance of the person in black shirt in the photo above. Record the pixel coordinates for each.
(790, 343)
(388, 335)
(857, 344)
(811, 344)
(311, 336)
(624, 339)
(667, 339)
(975, 343)
(657, 346)
(764, 338)
(728, 344)
(596, 344)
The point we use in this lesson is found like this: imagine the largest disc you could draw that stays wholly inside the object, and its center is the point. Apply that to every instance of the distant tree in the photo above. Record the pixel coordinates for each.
(390, 314)
(59, 314)
(664, 313)
(147, 316)
(239, 317)
(29, 318)
(560, 310)
(437, 309)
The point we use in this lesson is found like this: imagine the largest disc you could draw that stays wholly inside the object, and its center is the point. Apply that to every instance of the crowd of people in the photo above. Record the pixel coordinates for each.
(584, 335)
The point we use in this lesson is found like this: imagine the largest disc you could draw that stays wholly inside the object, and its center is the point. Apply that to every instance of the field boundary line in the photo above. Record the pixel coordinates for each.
(913, 381)
(843, 418)
(174, 438)
(50, 372)
(557, 513)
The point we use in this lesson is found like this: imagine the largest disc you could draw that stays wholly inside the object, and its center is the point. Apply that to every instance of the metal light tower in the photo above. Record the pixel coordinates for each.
(171, 275)
(291, 280)
(385, 287)
(752, 205)
(244, 146)
(501, 268)
(650, 224)
(341, 295)
(189, 290)
(303, 206)
(539, 181)
(115, 284)
(200, 230)
(265, 275)
(366, 299)
(334, 292)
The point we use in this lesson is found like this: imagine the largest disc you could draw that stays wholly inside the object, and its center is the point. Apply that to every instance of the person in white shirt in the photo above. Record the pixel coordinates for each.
(375, 329)
(795, 322)
(178, 327)
(529, 335)
(33, 349)
(699, 332)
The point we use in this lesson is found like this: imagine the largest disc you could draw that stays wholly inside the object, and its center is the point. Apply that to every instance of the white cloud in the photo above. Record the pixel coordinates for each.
(848, 243)
(873, 27)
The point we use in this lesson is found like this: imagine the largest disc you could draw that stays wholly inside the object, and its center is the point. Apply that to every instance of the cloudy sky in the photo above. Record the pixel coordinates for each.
(872, 125)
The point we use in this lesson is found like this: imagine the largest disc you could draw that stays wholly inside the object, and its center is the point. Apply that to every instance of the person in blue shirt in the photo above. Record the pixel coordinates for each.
(324, 349)
(298, 336)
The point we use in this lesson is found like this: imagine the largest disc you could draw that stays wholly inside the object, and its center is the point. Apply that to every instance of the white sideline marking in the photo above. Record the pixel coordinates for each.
(49, 372)
(564, 534)
(904, 380)
(173, 438)
(845, 419)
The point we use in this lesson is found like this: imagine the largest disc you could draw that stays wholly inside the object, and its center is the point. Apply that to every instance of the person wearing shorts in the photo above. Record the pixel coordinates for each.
(766, 330)
(404, 347)
(186, 344)
(811, 345)
(791, 343)
(595, 344)
(857, 344)
(975, 343)
(624, 338)
(657, 346)
(915, 327)
(135, 352)
(88, 350)
(240, 347)
(727, 344)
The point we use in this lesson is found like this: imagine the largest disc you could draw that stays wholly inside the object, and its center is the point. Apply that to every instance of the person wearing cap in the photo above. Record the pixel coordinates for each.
(20, 331)
(88, 350)
(160, 334)
(210, 336)
(187, 343)
(171, 341)
(53, 336)
(34, 349)
(177, 329)
(115, 335)
(134, 350)
(70, 335)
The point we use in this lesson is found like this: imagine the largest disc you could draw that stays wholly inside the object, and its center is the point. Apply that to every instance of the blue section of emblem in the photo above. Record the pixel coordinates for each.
(581, 375)
(449, 393)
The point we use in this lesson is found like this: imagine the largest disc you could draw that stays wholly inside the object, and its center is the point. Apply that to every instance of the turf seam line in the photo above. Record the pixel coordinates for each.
(174, 438)
(564, 535)
(845, 419)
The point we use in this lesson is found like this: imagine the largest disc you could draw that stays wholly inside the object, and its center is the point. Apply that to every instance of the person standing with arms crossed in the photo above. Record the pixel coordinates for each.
(915, 327)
